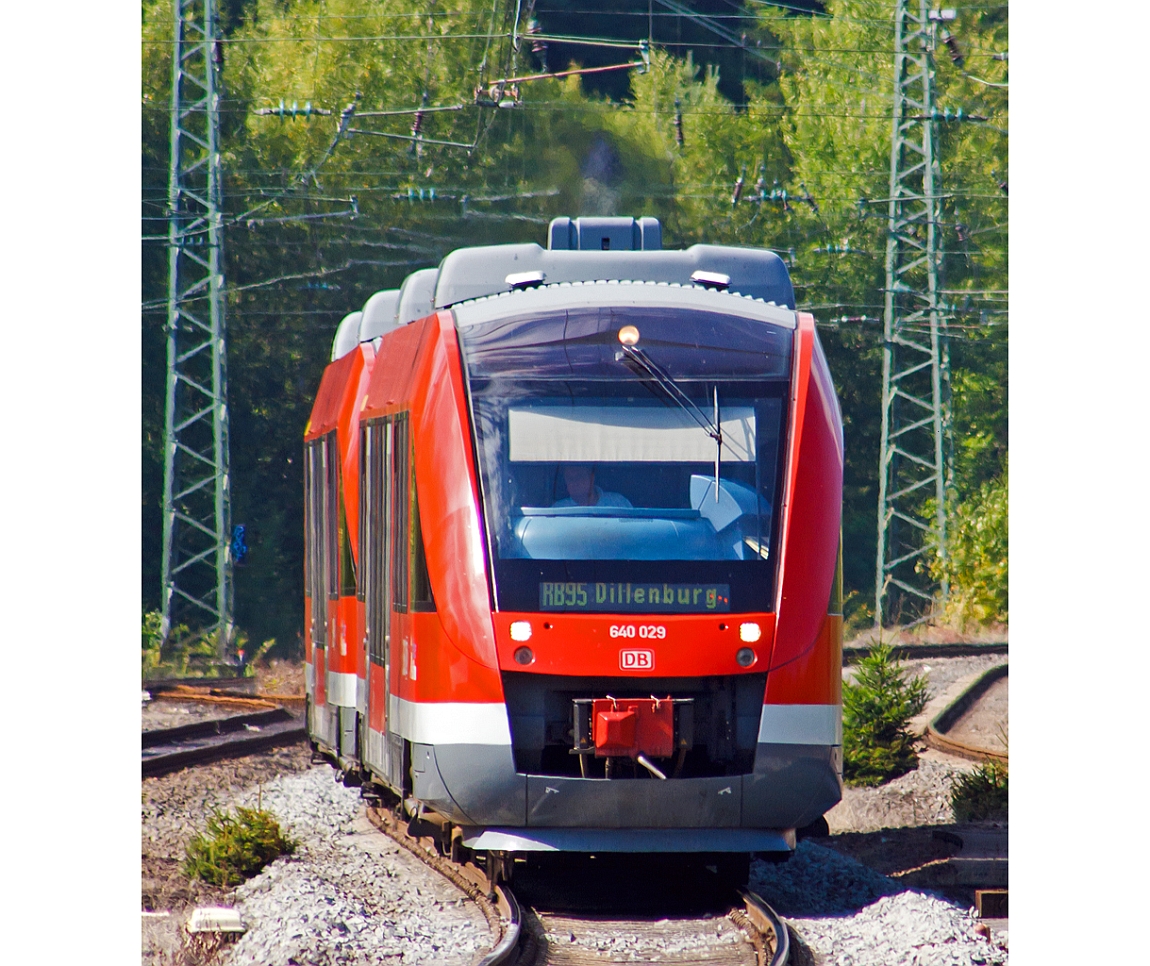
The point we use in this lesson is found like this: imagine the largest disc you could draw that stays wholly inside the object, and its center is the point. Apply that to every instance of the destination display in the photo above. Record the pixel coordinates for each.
(646, 598)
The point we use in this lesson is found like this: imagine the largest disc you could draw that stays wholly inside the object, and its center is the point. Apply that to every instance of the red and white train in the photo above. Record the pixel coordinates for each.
(572, 531)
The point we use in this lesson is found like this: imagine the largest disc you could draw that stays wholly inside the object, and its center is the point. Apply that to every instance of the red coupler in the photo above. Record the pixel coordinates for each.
(629, 727)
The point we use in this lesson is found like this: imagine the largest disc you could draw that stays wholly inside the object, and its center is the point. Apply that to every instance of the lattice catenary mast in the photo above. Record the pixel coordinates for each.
(915, 375)
(197, 586)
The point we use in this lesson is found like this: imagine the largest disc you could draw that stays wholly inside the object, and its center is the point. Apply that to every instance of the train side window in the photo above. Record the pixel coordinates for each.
(421, 597)
(317, 582)
(308, 542)
(347, 575)
(365, 479)
(376, 530)
(331, 514)
(400, 513)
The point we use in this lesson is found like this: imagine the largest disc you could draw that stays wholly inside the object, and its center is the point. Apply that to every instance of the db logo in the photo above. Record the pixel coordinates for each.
(636, 659)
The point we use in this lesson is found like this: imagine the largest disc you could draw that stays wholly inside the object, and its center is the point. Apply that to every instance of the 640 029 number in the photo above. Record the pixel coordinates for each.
(654, 632)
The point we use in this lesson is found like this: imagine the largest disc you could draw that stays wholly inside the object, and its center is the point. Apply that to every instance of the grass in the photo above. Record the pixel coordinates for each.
(981, 795)
(236, 847)
(878, 706)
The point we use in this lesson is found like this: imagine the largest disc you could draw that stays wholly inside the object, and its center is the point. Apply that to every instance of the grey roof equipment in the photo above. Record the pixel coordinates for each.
(378, 315)
(416, 295)
(346, 336)
(605, 234)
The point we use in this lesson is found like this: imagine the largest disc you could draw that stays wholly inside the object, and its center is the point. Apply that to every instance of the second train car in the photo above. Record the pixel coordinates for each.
(572, 571)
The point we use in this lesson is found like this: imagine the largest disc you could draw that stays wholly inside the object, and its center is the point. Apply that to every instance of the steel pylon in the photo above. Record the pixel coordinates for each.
(915, 375)
(197, 586)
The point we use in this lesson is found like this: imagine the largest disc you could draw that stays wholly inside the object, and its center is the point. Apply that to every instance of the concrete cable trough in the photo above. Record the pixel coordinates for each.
(940, 732)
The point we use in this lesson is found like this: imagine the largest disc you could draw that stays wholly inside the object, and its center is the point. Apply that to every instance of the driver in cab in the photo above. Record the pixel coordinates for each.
(580, 480)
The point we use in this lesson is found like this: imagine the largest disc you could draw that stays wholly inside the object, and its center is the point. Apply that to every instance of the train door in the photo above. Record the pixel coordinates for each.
(385, 464)
(399, 536)
(318, 579)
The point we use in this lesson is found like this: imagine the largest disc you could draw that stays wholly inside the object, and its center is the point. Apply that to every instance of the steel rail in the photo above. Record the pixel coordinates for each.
(903, 652)
(503, 915)
(769, 925)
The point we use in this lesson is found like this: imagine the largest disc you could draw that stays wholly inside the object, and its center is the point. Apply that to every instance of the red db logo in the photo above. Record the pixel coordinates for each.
(636, 660)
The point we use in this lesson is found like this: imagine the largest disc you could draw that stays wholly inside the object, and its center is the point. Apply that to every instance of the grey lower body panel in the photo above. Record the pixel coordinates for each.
(629, 840)
(792, 785)
(323, 725)
(477, 785)
(633, 803)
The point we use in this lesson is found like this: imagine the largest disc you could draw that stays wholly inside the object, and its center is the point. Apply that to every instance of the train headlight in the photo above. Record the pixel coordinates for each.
(524, 656)
(750, 632)
(745, 657)
(520, 630)
(629, 335)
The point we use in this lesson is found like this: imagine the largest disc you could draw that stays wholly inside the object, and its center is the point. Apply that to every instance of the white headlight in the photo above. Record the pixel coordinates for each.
(750, 632)
(521, 631)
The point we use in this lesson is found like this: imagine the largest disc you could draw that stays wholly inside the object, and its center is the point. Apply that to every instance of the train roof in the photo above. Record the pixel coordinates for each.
(610, 249)
(620, 294)
(580, 250)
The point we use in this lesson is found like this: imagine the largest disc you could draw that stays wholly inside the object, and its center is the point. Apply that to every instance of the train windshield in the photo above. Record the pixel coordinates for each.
(622, 480)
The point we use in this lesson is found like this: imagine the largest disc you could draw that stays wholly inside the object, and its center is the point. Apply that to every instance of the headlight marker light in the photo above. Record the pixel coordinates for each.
(520, 630)
(524, 656)
(745, 657)
(750, 632)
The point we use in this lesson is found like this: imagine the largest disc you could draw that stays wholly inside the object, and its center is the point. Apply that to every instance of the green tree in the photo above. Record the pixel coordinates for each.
(878, 705)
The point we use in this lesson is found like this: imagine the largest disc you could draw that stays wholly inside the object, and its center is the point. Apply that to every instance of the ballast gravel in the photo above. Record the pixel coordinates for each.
(849, 915)
(347, 895)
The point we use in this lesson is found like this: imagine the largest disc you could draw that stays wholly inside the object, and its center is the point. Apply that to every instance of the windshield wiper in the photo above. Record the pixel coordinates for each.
(635, 358)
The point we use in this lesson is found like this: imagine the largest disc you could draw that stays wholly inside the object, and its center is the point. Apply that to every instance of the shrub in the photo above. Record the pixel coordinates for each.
(981, 795)
(877, 709)
(977, 564)
(236, 847)
(151, 625)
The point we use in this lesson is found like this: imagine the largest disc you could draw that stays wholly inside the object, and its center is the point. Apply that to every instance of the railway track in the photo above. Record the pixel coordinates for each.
(168, 749)
(577, 925)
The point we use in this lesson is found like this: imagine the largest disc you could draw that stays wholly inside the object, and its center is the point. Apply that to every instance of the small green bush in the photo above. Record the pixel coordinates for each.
(236, 847)
(981, 795)
(877, 709)
(152, 639)
(977, 567)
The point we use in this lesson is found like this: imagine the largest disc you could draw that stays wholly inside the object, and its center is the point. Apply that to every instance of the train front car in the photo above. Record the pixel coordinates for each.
(620, 628)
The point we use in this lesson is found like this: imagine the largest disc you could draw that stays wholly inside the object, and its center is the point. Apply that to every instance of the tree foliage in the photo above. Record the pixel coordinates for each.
(976, 562)
(809, 140)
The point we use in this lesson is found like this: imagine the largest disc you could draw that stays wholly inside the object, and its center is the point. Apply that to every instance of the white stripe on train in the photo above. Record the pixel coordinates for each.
(458, 723)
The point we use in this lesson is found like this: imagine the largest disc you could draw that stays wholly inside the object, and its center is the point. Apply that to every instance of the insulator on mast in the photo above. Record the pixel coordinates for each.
(417, 121)
(738, 192)
(953, 48)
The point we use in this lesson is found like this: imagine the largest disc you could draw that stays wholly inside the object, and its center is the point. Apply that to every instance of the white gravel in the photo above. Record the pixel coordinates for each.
(849, 915)
(920, 797)
(348, 895)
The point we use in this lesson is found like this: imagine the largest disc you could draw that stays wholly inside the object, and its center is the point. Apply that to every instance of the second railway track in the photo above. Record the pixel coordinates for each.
(167, 749)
